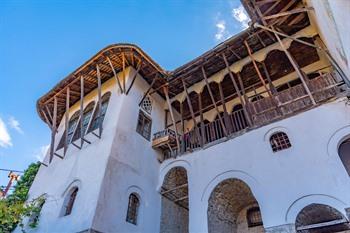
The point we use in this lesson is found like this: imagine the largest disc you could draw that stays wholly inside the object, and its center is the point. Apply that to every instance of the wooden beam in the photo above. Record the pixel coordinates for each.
(173, 189)
(272, 87)
(149, 89)
(181, 198)
(165, 89)
(263, 2)
(291, 12)
(257, 68)
(297, 69)
(46, 118)
(213, 100)
(124, 78)
(189, 103)
(99, 100)
(81, 110)
(322, 224)
(226, 114)
(202, 141)
(115, 74)
(133, 78)
(238, 91)
(66, 121)
(53, 130)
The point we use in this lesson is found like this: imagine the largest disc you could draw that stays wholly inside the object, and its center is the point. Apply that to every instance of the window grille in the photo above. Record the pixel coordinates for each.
(133, 207)
(144, 125)
(71, 200)
(280, 141)
(147, 105)
(254, 217)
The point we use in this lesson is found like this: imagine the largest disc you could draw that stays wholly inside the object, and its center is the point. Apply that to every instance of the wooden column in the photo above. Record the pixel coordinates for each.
(99, 99)
(81, 110)
(166, 118)
(124, 78)
(237, 90)
(66, 121)
(133, 78)
(165, 89)
(148, 90)
(115, 74)
(272, 87)
(226, 114)
(189, 102)
(297, 69)
(213, 100)
(182, 127)
(202, 141)
(53, 130)
(257, 68)
(191, 109)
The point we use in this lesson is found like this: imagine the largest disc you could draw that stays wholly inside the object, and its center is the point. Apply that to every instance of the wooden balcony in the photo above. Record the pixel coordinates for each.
(263, 111)
(164, 140)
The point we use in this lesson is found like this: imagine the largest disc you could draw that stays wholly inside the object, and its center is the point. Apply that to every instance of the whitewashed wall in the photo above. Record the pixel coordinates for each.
(331, 18)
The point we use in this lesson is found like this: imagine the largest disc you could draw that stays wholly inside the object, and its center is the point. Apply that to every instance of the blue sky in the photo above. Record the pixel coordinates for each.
(43, 41)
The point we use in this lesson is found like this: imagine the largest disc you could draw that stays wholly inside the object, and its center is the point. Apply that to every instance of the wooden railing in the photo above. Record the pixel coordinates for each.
(263, 111)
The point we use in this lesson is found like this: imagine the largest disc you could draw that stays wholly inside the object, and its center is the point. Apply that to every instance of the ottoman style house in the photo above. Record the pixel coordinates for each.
(252, 136)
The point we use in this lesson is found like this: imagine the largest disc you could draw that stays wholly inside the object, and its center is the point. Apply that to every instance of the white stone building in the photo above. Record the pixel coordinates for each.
(252, 136)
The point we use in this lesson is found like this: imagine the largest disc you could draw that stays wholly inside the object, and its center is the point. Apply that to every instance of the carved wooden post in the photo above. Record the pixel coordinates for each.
(99, 99)
(297, 69)
(202, 141)
(53, 130)
(226, 114)
(237, 90)
(66, 121)
(257, 68)
(213, 100)
(115, 74)
(165, 89)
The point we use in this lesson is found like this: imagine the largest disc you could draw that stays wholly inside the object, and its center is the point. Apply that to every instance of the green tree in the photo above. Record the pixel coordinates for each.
(15, 207)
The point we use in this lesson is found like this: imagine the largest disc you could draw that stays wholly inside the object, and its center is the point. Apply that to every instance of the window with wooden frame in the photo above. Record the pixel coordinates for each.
(279, 141)
(147, 104)
(69, 202)
(73, 122)
(133, 208)
(144, 125)
(96, 119)
(254, 217)
(85, 120)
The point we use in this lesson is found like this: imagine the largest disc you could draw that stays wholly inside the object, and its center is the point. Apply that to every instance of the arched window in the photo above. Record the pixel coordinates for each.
(85, 119)
(96, 120)
(344, 154)
(254, 217)
(279, 141)
(133, 208)
(69, 201)
(73, 122)
(256, 97)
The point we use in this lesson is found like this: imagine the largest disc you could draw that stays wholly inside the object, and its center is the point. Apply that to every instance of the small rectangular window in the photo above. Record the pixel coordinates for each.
(144, 125)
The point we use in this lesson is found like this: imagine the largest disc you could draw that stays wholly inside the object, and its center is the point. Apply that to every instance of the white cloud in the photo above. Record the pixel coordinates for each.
(14, 124)
(241, 16)
(220, 30)
(41, 152)
(5, 138)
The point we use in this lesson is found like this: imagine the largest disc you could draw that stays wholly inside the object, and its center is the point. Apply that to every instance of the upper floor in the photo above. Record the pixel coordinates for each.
(274, 70)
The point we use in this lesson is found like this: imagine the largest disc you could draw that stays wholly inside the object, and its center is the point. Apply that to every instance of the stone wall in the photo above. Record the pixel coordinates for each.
(174, 218)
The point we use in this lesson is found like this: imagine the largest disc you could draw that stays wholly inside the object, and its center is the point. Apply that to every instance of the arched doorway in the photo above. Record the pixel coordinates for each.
(174, 212)
(344, 154)
(232, 208)
(319, 218)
